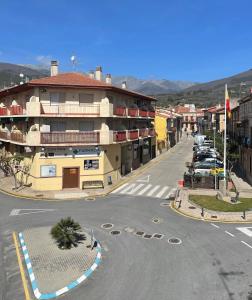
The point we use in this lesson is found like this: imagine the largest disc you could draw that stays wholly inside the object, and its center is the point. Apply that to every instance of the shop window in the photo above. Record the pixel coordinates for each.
(91, 164)
(48, 171)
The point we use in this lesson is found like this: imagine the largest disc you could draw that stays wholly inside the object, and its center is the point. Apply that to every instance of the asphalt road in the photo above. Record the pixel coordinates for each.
(211, 262)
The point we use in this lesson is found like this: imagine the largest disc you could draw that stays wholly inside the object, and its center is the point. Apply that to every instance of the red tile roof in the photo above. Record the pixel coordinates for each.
(182, 109)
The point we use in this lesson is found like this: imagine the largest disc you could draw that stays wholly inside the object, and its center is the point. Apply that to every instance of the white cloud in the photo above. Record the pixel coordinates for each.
(44, 60)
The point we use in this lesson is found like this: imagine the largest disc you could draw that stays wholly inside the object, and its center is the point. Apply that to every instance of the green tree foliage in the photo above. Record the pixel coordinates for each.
(67, 233)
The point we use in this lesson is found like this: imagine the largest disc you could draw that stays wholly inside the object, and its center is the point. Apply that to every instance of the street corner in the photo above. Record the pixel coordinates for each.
(53, 271)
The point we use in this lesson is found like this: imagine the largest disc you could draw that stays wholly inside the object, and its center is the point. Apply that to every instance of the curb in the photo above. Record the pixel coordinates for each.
(206, 219)
(65, 289)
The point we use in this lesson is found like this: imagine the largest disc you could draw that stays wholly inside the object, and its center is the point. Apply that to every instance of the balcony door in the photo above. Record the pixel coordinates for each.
(57, 98)
(70, 178)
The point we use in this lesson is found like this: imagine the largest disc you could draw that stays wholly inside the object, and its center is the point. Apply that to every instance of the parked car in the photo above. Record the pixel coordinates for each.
(203, 170)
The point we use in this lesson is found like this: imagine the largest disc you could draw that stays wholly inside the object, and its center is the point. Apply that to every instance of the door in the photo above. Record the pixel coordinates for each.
(70, 178)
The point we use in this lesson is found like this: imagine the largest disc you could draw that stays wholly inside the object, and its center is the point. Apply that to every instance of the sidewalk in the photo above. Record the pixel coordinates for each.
(183, 205)
(244, 189)
(6, 184)
(53, 271)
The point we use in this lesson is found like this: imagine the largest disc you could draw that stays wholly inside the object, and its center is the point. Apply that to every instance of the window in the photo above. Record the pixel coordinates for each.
(86, 99)
(48, 171)
(57, 98)
(91, 164)
(86, 126)
(58, 126)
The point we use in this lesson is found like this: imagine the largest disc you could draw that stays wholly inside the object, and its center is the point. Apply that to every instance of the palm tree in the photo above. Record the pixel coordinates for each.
(66, 233)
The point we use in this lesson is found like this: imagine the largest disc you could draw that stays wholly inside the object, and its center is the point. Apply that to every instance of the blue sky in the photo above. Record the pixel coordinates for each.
(178, 40)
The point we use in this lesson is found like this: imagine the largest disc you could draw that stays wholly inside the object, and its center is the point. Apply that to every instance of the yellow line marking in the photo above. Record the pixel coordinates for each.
(26, 291)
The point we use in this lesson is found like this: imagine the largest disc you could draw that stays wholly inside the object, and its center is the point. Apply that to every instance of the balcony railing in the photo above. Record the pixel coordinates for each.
(3, 111)
(143, 113)
(143, 132)
(132, 112)
(120, 111)
(87, 137)
(151, 114)
(133, 134)
(4, 135)
(119, 136)
(71, 109)
(17, 137)
(16, 110)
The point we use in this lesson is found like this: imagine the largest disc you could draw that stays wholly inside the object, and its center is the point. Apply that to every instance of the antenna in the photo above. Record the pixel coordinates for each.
(74, 61)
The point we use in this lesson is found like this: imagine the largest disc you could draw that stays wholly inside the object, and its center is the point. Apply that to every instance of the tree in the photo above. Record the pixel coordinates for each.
(11, 165)
(67, 233)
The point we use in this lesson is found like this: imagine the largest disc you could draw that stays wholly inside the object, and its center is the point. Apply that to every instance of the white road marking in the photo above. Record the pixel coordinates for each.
(131, 186)
(144, 189)
(172, 191)
(153, 190)
(164, 189)
(229, 233)
(245, 230)
(246, 244)
(144, 179)
(135, 189)
(214, 225)
(120, 188)
(28, 211)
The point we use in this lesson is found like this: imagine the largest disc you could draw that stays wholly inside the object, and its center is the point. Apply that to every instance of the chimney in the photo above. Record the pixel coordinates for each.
(108, 79)
(54, 68)
(124, 85)
(98, 73)
(92, 75)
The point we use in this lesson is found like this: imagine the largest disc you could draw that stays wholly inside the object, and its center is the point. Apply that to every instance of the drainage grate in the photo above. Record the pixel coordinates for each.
(139, 233)
(157, 220)
(214, 217)
(90, 199)
(174, 241)
(129, 229)
(147, 236)
(115, 232)
(164, 204)
(107, 225)
(192, 207)
(39, 195)
(158, 236)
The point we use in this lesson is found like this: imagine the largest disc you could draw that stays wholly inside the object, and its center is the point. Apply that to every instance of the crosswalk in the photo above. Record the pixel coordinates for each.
(146, 190)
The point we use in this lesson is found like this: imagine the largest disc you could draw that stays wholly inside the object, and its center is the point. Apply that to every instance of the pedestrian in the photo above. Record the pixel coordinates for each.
(187, 134)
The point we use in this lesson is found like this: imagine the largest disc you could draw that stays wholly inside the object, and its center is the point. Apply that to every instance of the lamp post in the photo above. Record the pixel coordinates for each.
(215, 181)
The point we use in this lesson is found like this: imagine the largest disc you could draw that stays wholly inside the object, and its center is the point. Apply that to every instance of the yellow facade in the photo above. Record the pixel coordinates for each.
(161, 131)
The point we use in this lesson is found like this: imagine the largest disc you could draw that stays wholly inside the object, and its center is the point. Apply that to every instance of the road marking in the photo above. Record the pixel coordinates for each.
(214, 225)
(26, 291)
(172, 191)
(28, 211)
(154, 189)
(229, 233)
(164, 189)
(246, 244)
(131, 186)
(245, 230)
(120, 188)
(144, 179)
(144, 189)
(135, 189)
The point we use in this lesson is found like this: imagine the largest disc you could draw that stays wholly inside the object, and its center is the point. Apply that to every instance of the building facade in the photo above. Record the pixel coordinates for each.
(76, 131)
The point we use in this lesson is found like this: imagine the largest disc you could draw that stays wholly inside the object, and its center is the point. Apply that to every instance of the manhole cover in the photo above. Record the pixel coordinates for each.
(156, 220)
(192, 207)
(174, 241)
(107, 225)
(139, 233)
(115, 232)
(158, 236)
(147, 236)
(129, 229)
(90, 199)
(39, 195)
(164, 204)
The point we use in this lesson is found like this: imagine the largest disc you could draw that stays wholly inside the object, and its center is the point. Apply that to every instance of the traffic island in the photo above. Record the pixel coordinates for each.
(205, 205)
(54, 271)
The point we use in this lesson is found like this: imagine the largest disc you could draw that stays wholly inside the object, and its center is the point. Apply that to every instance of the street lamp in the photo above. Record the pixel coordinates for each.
(215, 181)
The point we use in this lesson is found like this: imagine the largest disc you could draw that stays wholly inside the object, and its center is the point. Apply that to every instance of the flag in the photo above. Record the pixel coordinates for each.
(227, 99)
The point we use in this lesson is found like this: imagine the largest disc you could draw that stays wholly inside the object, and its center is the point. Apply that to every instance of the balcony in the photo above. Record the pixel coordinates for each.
(120, 111)
(143, 113)
(17, 137)
(119, 136)
(16, 110)
(151, 114)
(132, 112)
(3, 111)
(4, 135)
(71, 109)
(143, 132)
(87, 137)
(152, 132)
(132, 134)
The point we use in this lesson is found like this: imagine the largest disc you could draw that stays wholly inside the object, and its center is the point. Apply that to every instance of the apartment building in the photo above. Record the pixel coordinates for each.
(168, 126)
(189, 113)
(75, 130)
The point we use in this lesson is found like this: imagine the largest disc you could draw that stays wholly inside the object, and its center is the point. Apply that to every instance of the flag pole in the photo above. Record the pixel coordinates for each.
(225, 141)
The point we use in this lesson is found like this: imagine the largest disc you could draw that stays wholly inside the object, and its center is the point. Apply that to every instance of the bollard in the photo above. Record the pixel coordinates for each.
(244, 215)
(202, 211)
(180, 201)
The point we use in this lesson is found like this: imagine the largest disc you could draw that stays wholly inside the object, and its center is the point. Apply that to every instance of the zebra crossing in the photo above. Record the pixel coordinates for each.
(146, 190)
